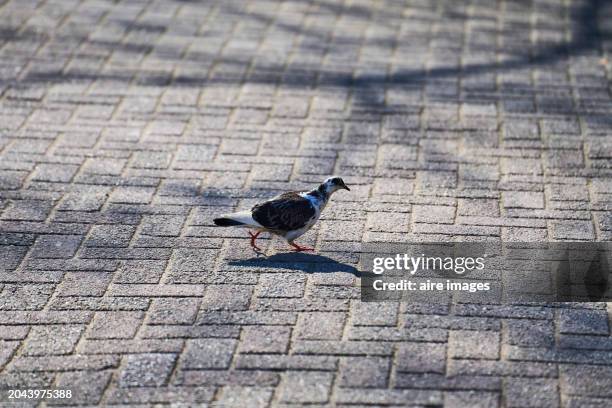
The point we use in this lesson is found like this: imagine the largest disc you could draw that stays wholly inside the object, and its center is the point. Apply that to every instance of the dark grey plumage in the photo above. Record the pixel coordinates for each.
(289, 211)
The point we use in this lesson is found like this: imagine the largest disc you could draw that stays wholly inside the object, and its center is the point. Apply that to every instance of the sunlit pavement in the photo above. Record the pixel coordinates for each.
(126, 127)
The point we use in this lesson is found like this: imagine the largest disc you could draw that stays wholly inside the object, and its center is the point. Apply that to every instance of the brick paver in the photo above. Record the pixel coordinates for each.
(126, 126)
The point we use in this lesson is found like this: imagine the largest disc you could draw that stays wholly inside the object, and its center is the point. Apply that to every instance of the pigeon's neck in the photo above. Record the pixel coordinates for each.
(320, 194)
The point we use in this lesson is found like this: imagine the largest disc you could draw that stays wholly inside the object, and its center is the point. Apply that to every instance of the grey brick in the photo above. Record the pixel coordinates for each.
(580, 341)
(274, 285)
(255, 397)
(421, 357)
(441, 381)
(51, 340)
(374, 314)
(173, 311)
(54, 173)
(458, 399)
(523, 199)
(227, 297)
(518, 165)
(166, 127)
(118, 346)
(286, 362)
(586, 380)
(167, 395)
(564, 158)
(479, 207)
(564, 192)
(208, 353)
(25, 296)
(151, 160)
(271, 172)
(314, 165)
(110, 235)
(11, 256)
(347, 348)
(12, 180)
(364, 372)
(474, 344)
(518, 234)
(75, 362)
(162, 225)
(8, 332)
(291, 107)
(382, 397)
(433, 214)
(393, 186)
(191, 260)
(453, 322)
(240, 147)
(583, 321)
(124, 253)
(396, 155)
(582, 230)
(140, 271)
(530, 333)
(265, 339)
(230, 378)
(7, 350)
(437, 180)
(16, 379)
(488, 368)
(178, 187)
(194, 153)
(30, 210)
(87, 387)
(251, 116)
(557, 125)
(146, 370)
(132, 195)
(341, 230)
(90, 200)
(111, 167)
(532, 392)
(247, 318)
(320, 326)
(521, 130)
(56, 246)
(395, 334)
(313, 387)
(115, 325)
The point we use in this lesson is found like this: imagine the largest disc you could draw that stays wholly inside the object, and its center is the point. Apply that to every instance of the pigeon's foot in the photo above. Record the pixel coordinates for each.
(253, 238)
(299, 248)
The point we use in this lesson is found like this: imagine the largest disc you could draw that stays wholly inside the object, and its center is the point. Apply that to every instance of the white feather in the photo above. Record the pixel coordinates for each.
(244, 217)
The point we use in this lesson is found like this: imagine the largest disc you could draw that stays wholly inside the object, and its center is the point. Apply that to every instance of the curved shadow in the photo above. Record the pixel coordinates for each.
(309, 263)
(587, 36)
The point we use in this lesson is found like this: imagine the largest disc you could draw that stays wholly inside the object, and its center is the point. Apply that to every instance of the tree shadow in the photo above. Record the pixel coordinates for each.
(309, 263)
(588, 35)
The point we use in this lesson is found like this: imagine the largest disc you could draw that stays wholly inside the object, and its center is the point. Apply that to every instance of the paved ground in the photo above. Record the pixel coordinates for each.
(126, 126)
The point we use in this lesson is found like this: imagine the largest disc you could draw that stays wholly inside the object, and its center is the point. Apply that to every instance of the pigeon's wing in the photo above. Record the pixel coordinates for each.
(287, 212)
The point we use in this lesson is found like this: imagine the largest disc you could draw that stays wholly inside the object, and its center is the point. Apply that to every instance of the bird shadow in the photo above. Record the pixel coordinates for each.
(309, 263)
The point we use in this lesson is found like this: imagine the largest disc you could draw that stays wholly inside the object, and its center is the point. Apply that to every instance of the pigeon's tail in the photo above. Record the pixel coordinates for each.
(239, 219)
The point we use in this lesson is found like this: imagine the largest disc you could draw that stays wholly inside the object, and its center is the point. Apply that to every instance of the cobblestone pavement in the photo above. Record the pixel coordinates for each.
(126, 126)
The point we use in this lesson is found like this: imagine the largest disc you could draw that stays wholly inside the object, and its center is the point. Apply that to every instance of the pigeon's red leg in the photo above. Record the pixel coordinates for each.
(253, 238)
(299, 248)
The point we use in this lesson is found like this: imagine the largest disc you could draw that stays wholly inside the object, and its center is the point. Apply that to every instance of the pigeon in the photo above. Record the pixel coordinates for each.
(288, 215)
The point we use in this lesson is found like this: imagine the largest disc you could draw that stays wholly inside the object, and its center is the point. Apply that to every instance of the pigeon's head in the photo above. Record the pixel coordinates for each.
(333, 184)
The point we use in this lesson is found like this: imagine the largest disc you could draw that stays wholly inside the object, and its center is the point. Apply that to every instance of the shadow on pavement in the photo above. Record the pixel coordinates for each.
(309, 263)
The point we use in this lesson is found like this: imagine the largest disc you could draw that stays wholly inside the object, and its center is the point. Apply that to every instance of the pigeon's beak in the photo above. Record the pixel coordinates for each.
(344, 186)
